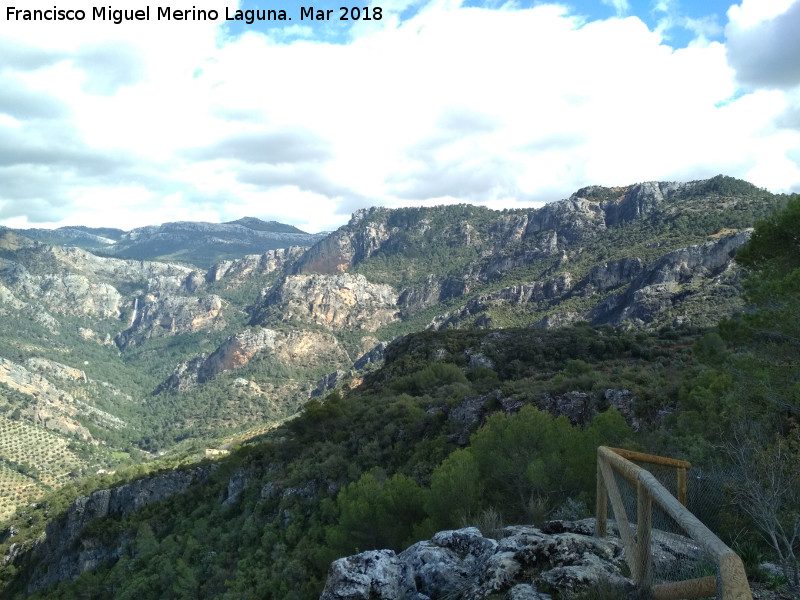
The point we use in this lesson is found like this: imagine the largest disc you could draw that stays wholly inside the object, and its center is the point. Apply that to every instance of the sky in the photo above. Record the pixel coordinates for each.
(507, 104)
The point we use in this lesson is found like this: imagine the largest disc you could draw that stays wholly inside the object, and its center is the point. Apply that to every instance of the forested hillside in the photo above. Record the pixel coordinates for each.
(526, 338)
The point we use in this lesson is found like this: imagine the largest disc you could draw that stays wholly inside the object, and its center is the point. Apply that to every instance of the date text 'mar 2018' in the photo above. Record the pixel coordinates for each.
(346, 13)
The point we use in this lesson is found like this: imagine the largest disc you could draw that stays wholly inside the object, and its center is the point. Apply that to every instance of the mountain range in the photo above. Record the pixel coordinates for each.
(195, 243)
(119, 347)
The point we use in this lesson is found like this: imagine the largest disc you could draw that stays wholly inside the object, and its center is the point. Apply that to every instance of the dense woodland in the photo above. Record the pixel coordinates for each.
(398, 457)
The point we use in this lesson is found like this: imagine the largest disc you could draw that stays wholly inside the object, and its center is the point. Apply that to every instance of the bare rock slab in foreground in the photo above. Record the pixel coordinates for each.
(466, 565)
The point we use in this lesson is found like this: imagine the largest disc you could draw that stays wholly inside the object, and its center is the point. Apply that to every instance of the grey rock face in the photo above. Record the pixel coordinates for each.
(576, 406)
(372, 575)
(610, 275)
(261, 264)
(518, 294)
(333, 301)
(640, 200)
(658, 284)
(348, 245)
(236, 485)
(286, 347)
(73, 281)
(171, 315)
(370, 359)
(572, 219)
(463, 564)
(557, 320)
(63, 564)
(327, 383)
(433, 291)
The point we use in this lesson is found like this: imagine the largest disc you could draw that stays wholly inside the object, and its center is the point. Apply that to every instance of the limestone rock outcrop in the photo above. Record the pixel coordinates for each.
(62, 562)
(466, 565)
(534, 291)
(348, 245)
(171, 315)
(289, 348)
(341, 301)
(260, 264)
(53, 407)
(703, 269)
(77, 282)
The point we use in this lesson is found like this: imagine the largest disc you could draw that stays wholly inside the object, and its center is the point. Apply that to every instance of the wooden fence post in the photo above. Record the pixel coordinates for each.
(602, 501)
(682, 485)
(644, 512)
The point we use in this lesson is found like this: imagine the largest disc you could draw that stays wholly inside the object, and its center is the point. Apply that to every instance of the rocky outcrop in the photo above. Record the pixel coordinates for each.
(58, 558)
(572, 220)
(562, 557)
(348, 245)
(369, 360)
(172, 315)
(609, 276)
(293, 349)
(557, 320)
(466, 565)
(670, 279)
(342, 301)
(55, 369)
(11, 306)
(254, 264)
(639, 200)
(66, 294)
(7, 299)
(76, 282)
(534, 291)
(432, 291)
(52, 407)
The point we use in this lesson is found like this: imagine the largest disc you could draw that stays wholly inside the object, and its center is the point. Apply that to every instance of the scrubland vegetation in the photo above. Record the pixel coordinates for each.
(449, 432)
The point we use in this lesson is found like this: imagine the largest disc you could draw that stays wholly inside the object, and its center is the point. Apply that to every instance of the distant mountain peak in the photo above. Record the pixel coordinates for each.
(258, 225)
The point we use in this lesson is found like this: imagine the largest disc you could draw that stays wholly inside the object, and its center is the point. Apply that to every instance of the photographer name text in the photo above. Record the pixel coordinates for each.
(118, 16)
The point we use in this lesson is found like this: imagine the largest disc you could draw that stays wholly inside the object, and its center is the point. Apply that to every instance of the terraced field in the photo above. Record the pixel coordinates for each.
(31, 460)
(15, 489)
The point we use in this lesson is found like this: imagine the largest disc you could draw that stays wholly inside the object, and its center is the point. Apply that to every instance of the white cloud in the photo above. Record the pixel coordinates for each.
(622, 7)
(140, 123)
(763, 43)
(749, 13)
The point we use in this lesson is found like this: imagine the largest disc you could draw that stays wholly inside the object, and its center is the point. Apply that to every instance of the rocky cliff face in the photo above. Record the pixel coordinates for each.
(75, 282)
(534, 291)
(544, 241)
(172, 315)
(697, 271)
(332, 301)
(62, 558)
(292, 349)
(261, 264)
(348, 245)
(52, 407)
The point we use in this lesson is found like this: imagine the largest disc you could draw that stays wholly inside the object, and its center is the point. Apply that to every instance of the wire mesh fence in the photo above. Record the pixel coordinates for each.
(679, 563)
(675, 556)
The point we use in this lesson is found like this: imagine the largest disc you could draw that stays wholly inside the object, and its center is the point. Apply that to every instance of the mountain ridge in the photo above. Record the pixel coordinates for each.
(194, 242)
(398, 335)
(192, 346)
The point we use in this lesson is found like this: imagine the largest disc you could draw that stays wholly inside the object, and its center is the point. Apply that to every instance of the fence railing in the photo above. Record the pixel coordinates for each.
(730, 581)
